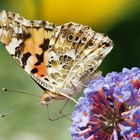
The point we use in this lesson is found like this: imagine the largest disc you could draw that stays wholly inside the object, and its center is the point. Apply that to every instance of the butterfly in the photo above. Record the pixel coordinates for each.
(60, 59)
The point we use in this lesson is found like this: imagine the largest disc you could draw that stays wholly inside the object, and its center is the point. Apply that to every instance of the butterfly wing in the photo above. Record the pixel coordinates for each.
(76, 52)
(28, 42)
(54, 56)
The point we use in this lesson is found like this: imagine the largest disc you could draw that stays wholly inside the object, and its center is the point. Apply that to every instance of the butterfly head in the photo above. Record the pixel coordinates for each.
(49, 97)
(45, 99)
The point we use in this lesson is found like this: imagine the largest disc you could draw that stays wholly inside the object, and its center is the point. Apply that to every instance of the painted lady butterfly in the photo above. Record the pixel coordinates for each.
(58, 58)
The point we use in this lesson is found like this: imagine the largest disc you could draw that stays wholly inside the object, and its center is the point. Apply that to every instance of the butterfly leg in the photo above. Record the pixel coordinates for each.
(61, 112)
(72, 84)
(50, 118)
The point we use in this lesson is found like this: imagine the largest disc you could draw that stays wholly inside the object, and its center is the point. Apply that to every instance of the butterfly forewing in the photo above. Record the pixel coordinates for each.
(54, 56)
(27, 41)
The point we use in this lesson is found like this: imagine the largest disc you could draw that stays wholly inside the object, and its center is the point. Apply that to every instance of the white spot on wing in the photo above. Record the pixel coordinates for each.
(30, 63)
(12, 45)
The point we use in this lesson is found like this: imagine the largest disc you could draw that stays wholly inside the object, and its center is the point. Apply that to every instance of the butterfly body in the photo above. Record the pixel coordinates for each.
(56, 57)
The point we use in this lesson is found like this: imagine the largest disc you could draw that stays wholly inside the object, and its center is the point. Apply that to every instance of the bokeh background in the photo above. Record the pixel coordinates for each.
(119, 19)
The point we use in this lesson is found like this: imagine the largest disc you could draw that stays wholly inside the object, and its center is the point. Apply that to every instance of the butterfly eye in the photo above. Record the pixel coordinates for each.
(48, 99)
(70, 37)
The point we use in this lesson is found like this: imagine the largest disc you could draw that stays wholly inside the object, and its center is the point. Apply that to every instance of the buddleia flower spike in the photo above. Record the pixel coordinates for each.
(110, 109)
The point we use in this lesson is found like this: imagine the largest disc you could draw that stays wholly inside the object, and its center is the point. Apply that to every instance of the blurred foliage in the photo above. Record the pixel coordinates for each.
(120, 19)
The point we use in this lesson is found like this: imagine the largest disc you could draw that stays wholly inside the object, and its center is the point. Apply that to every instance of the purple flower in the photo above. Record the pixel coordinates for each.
(110, 109)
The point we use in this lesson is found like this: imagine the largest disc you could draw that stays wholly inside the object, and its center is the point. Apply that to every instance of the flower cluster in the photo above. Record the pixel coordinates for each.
(110, 109)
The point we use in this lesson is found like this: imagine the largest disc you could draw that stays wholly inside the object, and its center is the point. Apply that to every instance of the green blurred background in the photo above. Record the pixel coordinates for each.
(119, 19)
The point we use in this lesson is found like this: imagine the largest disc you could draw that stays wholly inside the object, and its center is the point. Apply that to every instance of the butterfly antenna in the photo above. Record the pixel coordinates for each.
(2, 115)
(2, 90)
(27, 93)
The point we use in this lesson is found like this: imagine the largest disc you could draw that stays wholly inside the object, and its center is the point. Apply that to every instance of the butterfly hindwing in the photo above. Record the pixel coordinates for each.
(78, 51)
